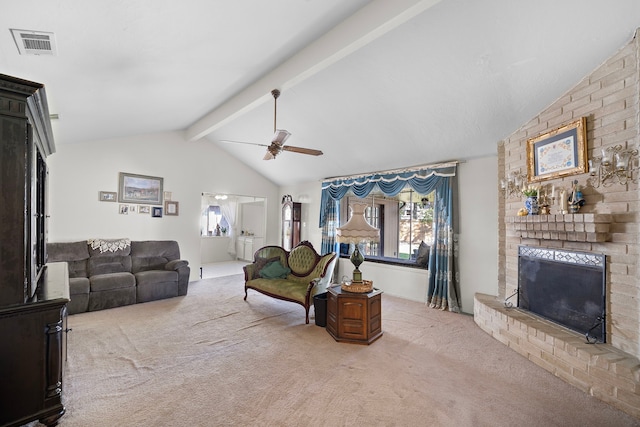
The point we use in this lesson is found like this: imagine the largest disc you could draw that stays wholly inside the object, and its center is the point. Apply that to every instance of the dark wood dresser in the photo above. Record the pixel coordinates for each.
(33, 352)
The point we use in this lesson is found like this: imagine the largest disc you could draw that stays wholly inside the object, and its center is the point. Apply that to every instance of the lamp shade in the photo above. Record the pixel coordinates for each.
(357, 229)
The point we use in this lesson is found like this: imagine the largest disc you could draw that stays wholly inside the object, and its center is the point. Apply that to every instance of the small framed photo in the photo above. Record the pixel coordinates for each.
(124, 209)
(156, 212)
(171, 208)
(167, 195)
(132, 208)
(560, 152)
(107, 196)
(144, 209)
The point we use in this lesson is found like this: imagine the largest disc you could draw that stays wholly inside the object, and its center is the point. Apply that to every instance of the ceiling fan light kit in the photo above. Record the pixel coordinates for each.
(279, 137)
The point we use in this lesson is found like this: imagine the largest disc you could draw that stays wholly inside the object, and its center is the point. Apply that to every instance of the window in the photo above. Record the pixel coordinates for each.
(404, 221)
(212, 221)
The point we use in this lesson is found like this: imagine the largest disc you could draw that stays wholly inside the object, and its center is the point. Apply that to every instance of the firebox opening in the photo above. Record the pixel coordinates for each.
(565, 287)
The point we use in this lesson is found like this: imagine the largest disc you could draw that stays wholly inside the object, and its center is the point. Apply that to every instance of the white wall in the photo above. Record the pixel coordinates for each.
(77, 172)
(215, 249)
(478, 229)
(478, 238)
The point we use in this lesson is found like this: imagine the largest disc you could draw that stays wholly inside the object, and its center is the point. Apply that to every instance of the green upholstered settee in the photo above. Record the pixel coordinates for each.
(294, 276)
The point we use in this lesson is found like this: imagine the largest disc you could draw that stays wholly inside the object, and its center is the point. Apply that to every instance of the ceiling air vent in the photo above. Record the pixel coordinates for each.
(34, 42)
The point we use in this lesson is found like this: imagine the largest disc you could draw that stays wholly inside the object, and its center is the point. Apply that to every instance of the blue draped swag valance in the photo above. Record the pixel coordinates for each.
(423, 181)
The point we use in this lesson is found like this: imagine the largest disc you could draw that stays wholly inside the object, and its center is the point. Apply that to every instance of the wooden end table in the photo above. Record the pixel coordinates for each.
(354, 317)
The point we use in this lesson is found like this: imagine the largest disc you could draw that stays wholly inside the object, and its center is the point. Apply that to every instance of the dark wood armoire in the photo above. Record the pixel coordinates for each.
(33, 295)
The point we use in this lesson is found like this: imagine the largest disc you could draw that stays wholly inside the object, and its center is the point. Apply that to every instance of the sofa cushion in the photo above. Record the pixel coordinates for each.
(260, 263)
(155, 276)
(104, 264)
(319, 269)
(274, 270)
(422, 258)
(71, 251)
(105, 282)
(289, 289)
(302, 260)
(156, 284)
(176, 264)
(78, 303)
(75, 254)
(156, 291)
(111, 298)
(153, 254)
(269, 252)
(78, 285)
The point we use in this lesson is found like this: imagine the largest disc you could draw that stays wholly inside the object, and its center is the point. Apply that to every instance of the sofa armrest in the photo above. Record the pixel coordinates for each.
(248, 271)
(323, 282)
(176, 264)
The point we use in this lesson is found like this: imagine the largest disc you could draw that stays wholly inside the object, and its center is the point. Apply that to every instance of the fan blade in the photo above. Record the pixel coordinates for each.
(302, 150)
(228, 141)
(280, 136)
(268, 156)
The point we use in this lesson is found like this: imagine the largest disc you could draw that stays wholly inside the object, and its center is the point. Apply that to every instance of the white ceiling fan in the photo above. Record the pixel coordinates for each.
(279, 137)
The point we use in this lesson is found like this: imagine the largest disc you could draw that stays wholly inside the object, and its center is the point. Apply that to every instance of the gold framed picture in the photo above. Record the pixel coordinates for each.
(557, 153)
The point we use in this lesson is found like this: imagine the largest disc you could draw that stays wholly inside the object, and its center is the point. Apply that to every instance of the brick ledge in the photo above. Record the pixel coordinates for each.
(589, 227)
(600, 370)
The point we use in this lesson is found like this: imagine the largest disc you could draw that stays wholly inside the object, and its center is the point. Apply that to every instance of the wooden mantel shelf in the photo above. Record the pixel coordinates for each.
(588, 227)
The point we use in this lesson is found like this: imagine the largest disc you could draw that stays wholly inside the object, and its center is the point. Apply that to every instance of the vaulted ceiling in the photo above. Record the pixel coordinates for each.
(375, 85)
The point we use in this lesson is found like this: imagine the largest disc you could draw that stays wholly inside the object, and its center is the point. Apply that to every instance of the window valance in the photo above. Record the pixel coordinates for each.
(423, 181)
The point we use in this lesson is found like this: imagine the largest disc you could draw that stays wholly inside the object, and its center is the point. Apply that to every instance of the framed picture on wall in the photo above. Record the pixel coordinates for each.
(156, 212)
(560, 152)
(107, 196)
(171, 207)
(141, 189)
(144, 209)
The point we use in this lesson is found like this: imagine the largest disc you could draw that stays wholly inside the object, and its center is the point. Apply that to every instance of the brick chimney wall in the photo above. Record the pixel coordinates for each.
(608, 223)
(609, 99)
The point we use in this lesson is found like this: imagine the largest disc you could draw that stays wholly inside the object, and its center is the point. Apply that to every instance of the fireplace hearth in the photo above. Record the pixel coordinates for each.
(565, 287)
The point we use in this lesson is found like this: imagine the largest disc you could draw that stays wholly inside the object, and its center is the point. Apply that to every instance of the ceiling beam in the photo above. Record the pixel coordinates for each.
(364, 26)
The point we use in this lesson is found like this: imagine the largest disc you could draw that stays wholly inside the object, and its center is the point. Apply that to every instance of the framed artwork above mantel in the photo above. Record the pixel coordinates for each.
(557, 153)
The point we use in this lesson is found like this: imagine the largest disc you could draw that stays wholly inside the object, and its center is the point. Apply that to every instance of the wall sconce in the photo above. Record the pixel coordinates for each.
(615, 164)
(513, 184)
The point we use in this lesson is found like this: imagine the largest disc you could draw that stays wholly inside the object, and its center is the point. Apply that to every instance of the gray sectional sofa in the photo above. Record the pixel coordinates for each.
(107, 273)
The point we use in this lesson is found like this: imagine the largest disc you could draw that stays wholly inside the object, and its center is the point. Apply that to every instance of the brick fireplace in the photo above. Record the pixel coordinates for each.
(609, 224)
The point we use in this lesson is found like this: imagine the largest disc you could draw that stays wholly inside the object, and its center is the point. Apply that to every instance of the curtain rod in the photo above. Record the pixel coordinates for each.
(407, 169)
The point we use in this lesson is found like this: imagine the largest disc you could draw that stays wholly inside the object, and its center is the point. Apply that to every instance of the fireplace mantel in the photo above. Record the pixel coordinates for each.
(588, 227)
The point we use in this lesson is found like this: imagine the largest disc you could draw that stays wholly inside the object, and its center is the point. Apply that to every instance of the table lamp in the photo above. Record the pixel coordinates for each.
(356, 231)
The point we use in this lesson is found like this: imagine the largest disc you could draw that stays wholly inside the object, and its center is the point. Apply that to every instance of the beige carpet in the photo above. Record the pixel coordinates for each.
(212, 359)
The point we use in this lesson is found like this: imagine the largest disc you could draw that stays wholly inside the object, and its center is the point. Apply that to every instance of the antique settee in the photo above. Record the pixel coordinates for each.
(107, 273)
(294, 276)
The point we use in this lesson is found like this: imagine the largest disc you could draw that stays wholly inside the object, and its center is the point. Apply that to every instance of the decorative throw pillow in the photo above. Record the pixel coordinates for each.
(260, 264)
(422, 259)
(275, 270)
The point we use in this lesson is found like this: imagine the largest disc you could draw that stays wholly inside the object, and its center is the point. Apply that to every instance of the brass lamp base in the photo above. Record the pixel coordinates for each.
(357, 275)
